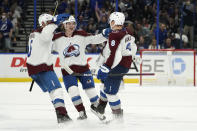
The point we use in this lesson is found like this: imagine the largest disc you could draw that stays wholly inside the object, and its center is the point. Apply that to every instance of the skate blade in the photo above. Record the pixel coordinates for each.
(100, 116)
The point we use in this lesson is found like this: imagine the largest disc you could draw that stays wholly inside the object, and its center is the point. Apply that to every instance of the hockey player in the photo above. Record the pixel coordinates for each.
(39, 62)
(122, 50)
(71, 46)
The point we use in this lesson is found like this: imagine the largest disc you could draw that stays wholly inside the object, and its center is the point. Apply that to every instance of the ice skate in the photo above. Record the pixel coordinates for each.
(97, 112)
(101, 107)
(62, 115)
(82, 115)
(118, 113)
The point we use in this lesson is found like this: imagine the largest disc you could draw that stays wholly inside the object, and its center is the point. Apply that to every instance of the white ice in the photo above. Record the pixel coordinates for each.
(145, 109)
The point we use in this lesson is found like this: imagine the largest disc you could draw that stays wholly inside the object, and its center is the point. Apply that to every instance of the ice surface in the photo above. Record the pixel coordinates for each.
(145, 109)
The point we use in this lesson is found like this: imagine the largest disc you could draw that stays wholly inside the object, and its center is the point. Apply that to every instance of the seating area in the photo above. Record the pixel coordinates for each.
(176, 18)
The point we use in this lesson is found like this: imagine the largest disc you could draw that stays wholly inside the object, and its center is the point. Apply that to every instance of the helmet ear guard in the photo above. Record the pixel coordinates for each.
(44, 18)
(117, 17)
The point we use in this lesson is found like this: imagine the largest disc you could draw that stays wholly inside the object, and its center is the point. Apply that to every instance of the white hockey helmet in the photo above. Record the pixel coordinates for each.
(44, 18)
(117, 17)
(70, 19)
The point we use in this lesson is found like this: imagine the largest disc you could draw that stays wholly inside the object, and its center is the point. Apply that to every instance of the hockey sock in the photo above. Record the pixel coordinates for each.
(57, 97)
(114, 102)
(92, 95)
(73, 92)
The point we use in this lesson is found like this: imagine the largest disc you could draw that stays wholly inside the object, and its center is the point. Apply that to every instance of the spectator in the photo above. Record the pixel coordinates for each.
(6, 28)
(6, 6)
(81, 24)
(92, 48)
(185, 42)
(102, 24)
(168, 44)
(153, 44)
(175, 37)
(176, 40)
(91, 29)
(92, 22)
(162, 35)
(62, 7)
(100, 13)
(188, 20)
(142, 31)
(142, 44)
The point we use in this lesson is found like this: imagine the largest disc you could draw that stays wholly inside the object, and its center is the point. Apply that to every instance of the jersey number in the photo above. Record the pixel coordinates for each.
(128, 46)
(29, 48)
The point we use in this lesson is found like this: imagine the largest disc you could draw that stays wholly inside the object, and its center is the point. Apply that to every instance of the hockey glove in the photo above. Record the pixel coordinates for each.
(106, 32)
(58, 19)
(103, 72)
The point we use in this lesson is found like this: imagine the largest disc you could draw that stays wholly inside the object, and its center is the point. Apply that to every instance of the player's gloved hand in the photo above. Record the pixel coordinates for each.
(58, 19)
(137, 60)
(106, 32)
(103, 72)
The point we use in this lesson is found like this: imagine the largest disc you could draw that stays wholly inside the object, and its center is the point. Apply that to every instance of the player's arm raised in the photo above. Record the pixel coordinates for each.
(99, 38)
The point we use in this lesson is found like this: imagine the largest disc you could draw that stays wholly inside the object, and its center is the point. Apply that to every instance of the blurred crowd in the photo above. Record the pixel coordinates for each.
(10, 23)
(177, 27)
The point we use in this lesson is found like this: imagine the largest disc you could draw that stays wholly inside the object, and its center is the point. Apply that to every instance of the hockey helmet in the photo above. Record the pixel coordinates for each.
(44, 18)
(70, 19)
(117, 17)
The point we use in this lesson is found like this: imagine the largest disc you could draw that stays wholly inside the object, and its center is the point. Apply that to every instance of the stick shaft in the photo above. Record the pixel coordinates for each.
(56, 2)
(32, 83)
(121, 74)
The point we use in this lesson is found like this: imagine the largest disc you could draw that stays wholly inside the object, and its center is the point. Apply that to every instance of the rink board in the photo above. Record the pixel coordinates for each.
(13, 68)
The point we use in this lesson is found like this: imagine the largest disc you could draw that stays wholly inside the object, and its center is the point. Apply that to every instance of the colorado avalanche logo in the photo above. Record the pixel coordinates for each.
(71, 50)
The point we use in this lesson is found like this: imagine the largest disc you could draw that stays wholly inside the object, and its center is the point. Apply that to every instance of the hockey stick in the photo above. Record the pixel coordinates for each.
(32, 83)
(121, 74)
(56, 5)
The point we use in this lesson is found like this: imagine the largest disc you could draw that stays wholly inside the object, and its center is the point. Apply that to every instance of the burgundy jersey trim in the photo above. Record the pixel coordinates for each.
(129, 31)
(39, 30)
(114, 41)
(81, 33)
(39, 68)
(58, 35)
(76, 69)
(126, 61)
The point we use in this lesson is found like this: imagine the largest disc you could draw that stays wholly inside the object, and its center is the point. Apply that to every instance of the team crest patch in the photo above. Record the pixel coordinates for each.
(113, 43)
(71, 50)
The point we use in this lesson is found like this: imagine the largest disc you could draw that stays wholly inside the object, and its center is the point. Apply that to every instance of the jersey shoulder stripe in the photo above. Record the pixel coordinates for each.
(81, 33)
(39, 30)
(58, 35)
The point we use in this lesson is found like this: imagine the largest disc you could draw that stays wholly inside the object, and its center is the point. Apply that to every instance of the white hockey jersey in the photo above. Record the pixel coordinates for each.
(39, 54)
(72, 49)
(119, 49)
